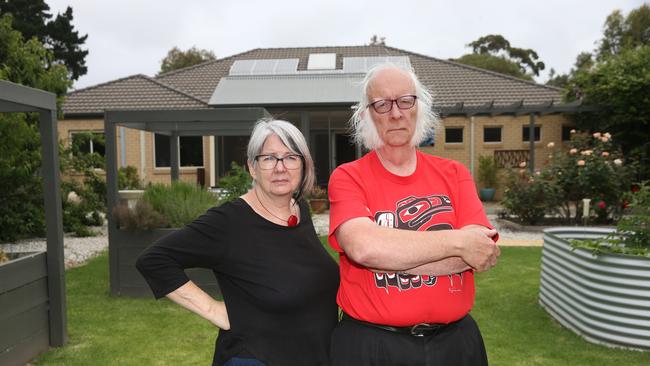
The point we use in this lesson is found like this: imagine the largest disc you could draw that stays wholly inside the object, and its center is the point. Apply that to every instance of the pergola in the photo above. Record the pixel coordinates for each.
(515, 109)
(18, 98)
(174, 123)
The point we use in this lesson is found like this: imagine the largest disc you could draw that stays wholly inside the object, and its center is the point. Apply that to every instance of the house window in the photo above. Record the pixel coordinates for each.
(453, 135)
(491, 134)
(526, 133)
(566, 133)
(89, 148)
(191, 151)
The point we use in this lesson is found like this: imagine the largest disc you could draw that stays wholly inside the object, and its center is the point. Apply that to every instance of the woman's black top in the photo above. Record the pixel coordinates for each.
(279, 283)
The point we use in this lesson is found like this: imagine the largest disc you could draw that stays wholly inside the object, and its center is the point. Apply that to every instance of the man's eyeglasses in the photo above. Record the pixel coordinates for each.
(385, 105)
(268, 162)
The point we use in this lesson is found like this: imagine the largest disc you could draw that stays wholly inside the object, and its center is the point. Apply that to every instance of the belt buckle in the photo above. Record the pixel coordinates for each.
(419, 330)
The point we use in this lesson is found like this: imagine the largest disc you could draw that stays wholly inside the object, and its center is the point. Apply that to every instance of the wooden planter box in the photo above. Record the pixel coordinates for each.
(603, 298)
(124, 249)
(24, 309)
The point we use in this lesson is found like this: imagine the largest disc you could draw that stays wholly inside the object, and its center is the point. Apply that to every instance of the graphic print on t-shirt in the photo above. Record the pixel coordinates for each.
(413, 213)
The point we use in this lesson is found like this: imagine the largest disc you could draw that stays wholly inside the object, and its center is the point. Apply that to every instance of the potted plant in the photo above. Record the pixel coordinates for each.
(161, 210)
(487, 177)
(318, 201)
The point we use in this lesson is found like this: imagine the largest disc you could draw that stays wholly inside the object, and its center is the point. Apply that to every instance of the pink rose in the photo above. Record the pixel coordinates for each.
(581, 163)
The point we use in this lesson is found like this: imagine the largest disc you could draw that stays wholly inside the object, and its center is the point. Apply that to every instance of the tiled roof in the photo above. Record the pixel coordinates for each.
(134, 92)
(450, 82)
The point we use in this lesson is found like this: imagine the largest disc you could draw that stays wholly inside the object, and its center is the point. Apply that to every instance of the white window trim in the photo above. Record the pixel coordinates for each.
(92, 143)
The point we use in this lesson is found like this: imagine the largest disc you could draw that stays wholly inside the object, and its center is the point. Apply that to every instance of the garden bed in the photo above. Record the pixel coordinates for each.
(125, 247)
(24, 301)
(605, 298)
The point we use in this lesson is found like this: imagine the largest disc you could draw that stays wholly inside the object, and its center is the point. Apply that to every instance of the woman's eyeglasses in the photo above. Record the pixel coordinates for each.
(268, 162)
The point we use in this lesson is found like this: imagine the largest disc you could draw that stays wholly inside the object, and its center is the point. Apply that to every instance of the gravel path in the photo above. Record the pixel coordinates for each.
(79, 250)
(76, 250)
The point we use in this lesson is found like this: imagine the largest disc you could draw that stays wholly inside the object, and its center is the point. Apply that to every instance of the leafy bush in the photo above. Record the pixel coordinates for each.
(487, 171)
(235, 183)
(632, 235)
(128, 178)
(592, 168)
(21, 196)
(589, 167)
(179, 203)
(530, 196)
(141, 217)
(82, 207)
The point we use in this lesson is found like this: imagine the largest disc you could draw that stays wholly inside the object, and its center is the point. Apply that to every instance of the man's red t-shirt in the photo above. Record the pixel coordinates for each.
(439, 195)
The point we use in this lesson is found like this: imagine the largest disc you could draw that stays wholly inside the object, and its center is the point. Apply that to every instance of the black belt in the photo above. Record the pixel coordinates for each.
(417, 330)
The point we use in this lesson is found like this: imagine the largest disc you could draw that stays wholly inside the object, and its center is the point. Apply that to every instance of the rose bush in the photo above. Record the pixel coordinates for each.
(590, 166)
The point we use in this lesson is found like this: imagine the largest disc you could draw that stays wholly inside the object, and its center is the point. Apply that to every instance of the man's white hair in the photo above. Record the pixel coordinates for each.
(363, 127)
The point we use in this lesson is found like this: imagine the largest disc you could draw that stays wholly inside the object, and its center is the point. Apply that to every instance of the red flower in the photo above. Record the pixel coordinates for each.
(626, 204)
(635, 188)
(602, 205)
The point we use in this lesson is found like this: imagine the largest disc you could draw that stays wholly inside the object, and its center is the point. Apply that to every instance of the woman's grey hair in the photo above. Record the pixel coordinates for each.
(293, 139)
(363, 127)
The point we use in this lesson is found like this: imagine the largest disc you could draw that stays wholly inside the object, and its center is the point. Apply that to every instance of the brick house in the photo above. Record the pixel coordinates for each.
(483, 113)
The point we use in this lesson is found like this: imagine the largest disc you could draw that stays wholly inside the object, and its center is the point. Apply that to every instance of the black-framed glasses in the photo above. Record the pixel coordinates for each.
(268, 162)
(385, 105)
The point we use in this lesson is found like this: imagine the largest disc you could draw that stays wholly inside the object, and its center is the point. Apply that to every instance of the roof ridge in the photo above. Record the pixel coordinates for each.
(106, 83)
(490, 72)
(177, 71)
(164, 85)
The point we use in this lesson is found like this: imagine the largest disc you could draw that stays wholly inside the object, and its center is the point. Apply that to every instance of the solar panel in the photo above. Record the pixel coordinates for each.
(264, 67)
(321, 61)
(352, 65)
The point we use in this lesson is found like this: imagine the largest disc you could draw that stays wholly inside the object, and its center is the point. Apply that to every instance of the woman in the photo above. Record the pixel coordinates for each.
(278, 282)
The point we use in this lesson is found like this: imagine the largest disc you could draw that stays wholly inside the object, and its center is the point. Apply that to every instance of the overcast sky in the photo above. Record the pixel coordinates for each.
(127, 37)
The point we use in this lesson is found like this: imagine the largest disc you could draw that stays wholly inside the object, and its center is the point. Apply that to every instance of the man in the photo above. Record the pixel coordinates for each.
(410, 231)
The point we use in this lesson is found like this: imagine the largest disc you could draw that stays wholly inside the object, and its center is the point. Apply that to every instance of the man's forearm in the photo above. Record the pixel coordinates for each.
(440, 268)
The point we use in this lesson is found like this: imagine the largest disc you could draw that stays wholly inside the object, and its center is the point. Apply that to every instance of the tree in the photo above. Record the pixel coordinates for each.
(584, 62)
(620, 86)
(621, 32)
(377, 41)
(32, 19)
(497, 45)
(494, 63)
(177, 59)
(21, 198)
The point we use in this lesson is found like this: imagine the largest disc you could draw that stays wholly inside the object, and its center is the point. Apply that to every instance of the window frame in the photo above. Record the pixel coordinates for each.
(462, 135)
(500, 134)
(153, 155)
(538, 136)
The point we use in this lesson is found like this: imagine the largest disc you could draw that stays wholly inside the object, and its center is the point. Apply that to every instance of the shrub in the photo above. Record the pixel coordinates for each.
(592, 168)
(235, 183)
(127, 178)
(530, 196)
(141, 217)
(487, 171)
(179, 203)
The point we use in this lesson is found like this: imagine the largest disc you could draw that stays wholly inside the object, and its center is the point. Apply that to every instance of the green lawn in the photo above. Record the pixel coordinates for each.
(118, 331)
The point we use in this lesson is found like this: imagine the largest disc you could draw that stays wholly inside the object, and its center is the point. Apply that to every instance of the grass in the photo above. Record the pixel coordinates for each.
(117, 331)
